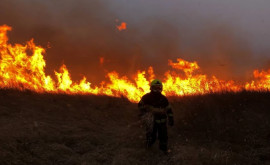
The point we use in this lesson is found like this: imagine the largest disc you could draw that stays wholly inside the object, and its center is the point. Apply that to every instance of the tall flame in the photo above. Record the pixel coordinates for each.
(21, 70)
(262, 81)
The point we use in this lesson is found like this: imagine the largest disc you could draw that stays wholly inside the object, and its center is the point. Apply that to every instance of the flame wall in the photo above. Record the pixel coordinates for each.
(23, 67)
(80, 32)
(83, 39)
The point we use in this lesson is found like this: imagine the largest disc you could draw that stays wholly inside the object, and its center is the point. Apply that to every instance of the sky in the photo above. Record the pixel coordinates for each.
(249, 18)
(227, 38)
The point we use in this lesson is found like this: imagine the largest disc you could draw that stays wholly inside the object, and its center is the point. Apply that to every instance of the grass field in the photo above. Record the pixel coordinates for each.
(47, 129)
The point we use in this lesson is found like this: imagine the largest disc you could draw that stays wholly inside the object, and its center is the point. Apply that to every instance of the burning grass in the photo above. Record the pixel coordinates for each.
(23, 67)
(225, 128)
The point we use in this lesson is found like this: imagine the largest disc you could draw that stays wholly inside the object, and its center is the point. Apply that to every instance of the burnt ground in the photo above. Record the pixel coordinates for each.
(46, 129)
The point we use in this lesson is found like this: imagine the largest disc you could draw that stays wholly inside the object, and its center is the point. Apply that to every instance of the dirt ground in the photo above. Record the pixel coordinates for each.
(50, 129)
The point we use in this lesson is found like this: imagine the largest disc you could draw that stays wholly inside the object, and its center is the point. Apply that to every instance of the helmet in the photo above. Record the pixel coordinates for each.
(156, 86)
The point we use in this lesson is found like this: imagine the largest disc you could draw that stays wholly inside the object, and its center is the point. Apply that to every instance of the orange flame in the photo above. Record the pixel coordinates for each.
(262, 81)
(187, 67)
(26, 71)
(122, 26)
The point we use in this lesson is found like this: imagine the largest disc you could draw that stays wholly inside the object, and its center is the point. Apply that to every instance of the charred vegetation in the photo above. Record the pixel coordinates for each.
(221, 128)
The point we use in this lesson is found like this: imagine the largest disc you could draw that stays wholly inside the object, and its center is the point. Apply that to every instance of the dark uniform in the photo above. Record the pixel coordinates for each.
(155, 110)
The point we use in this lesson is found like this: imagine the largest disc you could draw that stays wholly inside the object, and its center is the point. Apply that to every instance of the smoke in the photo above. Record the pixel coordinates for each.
(81, 32)
(222, 53)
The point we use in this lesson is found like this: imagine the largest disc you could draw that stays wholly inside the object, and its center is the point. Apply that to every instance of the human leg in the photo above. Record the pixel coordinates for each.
(163, 136)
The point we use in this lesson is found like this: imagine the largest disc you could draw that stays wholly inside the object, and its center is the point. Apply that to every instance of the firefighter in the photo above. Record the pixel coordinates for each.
(154, 111)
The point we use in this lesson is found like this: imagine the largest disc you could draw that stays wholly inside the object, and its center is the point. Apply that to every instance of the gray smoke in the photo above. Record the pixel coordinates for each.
(226, 38)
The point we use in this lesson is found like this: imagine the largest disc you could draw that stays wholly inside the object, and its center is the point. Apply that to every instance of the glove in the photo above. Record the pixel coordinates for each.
(171, 121)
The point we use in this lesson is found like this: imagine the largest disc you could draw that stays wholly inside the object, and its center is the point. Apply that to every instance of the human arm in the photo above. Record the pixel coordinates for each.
(170, 115)
(143, 106)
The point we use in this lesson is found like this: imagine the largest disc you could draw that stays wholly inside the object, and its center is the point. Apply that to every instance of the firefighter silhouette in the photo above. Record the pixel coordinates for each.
(155, 110)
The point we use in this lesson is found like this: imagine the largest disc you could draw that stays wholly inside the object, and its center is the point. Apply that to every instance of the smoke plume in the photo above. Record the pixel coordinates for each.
(80, 33)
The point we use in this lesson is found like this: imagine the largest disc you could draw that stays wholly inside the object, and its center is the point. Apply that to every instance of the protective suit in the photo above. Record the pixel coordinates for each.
(155, 113)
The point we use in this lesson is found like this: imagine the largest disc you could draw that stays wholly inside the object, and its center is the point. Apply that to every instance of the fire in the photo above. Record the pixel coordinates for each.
(122, 26)
(191, 83)
(21, 70)
(262, 83)
(187, 67)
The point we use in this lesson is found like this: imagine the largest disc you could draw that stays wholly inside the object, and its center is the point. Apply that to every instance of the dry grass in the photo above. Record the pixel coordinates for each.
(230, 128)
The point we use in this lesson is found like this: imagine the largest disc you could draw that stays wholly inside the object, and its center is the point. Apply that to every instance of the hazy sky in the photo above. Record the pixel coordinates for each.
(231, 37)
(249, 18)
